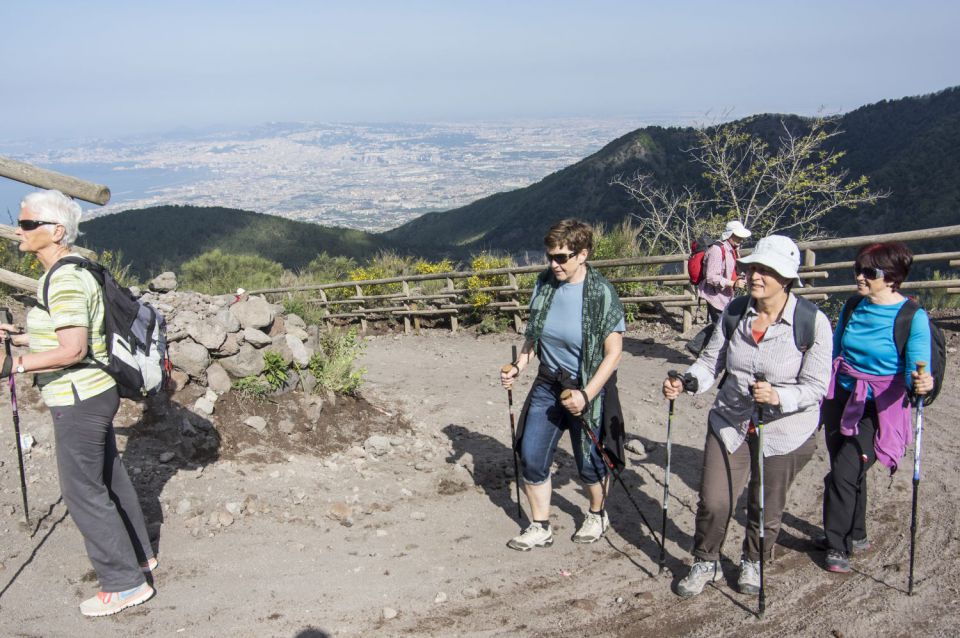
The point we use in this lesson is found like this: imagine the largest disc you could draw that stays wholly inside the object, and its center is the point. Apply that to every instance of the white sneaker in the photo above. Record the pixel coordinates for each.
(749, 581)
(109, 603)
(536, 535)
(701, 573)
(594, 526)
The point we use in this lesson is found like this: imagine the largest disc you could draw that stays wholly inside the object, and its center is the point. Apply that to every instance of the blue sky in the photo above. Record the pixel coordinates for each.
(76, 69)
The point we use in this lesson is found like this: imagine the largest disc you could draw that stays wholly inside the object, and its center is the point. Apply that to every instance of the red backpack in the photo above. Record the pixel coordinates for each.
(698, 248)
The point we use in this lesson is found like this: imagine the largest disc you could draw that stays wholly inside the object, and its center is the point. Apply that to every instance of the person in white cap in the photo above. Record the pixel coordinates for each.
(763, 344)
(720, 280)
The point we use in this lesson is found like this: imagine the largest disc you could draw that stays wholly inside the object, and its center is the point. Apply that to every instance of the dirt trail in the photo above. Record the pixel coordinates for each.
(329, 539)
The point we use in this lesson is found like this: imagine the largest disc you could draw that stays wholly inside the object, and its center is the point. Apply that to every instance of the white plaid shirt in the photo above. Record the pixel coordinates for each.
(800, 380)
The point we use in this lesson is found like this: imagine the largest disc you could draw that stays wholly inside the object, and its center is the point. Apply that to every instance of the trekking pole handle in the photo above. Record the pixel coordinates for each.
(566, 394)
(673, 374)
(921, 367)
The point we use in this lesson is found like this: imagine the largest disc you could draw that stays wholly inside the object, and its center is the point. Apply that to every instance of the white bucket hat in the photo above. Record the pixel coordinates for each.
(779, 253)
(735, 228)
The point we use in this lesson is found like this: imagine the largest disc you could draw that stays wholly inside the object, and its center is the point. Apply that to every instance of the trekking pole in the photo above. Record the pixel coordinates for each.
(762, 596)
(513, 430)
(609, 463)
(6, 317)
(673, 374)
(916, 480)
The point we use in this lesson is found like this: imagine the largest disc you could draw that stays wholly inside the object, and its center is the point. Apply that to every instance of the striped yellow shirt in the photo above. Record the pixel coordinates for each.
(75, 300)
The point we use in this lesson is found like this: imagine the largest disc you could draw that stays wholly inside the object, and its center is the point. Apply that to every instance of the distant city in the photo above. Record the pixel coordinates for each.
(367, 176)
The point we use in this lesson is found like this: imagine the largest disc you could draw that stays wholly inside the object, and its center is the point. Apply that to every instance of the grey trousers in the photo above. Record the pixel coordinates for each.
(98, 492)
(723, 479)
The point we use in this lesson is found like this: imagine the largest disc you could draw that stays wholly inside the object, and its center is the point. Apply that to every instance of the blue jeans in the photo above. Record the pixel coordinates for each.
(545, 422)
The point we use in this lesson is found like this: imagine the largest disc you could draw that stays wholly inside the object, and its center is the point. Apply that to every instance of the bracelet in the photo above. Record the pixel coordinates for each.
(586, 399)
(515, 367)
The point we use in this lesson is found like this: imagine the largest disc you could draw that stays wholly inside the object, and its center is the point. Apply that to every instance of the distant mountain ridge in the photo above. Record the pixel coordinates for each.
(909, 146)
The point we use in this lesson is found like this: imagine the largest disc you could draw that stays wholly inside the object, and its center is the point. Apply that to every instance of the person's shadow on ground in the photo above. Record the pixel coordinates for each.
(166, 439)
(493, 472)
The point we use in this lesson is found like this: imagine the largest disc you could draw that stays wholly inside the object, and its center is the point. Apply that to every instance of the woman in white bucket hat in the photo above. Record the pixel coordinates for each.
(761, 343)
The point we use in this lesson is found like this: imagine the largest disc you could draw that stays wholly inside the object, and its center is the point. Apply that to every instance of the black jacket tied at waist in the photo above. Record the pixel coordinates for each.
(612, 430)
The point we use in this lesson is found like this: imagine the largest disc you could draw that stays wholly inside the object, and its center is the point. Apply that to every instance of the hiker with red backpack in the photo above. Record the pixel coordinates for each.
(68, 353)
(719, 281)
(880, 337)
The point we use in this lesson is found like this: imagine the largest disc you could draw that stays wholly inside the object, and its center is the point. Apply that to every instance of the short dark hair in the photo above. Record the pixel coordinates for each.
(572, 233)
(892, 257)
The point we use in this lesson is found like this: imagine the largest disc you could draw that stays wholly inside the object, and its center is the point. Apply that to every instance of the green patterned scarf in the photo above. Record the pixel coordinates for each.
(602, 311)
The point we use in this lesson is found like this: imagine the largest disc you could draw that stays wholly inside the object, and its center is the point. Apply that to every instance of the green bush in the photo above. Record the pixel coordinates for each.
(217, 273)
(252, 387)
(332, 365)
(274, 369)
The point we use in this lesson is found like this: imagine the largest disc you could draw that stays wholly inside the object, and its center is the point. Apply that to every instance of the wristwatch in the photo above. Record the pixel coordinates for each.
(20, 369)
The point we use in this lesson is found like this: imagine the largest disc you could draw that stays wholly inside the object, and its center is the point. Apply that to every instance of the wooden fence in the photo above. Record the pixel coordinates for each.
(435, 295)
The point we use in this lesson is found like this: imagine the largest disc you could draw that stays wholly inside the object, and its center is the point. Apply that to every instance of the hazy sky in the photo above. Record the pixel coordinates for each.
(104, 68)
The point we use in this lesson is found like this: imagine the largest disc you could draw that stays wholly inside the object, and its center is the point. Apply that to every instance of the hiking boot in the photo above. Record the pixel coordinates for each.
(109, 603)
(536, 535)
(594, 526)
(857, 545)
(701, 573)
(837, 562)
(749, 581)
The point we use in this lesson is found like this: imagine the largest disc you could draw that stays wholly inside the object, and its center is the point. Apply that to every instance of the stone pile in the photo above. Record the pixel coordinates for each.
(214, 340)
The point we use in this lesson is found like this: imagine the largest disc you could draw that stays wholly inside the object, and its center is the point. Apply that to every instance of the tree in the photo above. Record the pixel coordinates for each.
(787, 189)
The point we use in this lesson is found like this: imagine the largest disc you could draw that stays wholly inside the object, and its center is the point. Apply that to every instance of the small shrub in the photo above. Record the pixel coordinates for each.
(274, 369)
(492, 323)
(332, 365)
(252, 387)
(479, 298)
(216, 272)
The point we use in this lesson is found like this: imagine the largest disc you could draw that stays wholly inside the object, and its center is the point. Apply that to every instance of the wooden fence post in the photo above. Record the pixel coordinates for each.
(406, 306)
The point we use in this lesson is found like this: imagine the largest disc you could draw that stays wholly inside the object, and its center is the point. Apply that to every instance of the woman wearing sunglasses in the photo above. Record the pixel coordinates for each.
(65, 343)
(576, 329)
(764, 369)
(866, 413)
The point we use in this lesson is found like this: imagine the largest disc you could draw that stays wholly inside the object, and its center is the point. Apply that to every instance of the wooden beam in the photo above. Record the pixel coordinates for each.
(42, 178)
(18, 281)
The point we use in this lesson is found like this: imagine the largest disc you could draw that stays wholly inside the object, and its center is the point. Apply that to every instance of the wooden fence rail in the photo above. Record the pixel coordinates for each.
(440, 297)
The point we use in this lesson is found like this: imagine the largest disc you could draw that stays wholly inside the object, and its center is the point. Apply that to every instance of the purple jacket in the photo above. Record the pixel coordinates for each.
(894, 433)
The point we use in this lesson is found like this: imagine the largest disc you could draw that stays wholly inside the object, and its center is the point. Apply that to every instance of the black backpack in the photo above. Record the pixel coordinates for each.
(901, 334)
(804, 320)
(136, 335)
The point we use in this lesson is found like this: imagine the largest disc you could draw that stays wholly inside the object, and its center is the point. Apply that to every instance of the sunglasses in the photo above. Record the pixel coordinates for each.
(868, 272)
(560, 258)
(33, 224)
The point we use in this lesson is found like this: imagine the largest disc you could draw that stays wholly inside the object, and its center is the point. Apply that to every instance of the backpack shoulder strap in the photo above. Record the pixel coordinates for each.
(44, 302)
(804, 324)
(902, 325)
(732, 315)
(848, 307)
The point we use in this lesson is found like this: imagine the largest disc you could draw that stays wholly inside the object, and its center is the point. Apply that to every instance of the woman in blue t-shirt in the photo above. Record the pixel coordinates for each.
(866, 413)
(575, 327)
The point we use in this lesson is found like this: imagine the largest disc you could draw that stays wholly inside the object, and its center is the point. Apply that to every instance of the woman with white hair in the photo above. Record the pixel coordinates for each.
(67, 348)
(775, 357)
